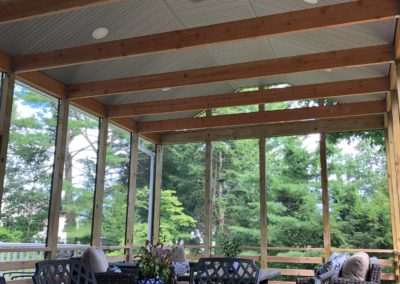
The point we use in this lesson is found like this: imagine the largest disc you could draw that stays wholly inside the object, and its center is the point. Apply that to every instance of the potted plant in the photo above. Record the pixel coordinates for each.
(154, 264)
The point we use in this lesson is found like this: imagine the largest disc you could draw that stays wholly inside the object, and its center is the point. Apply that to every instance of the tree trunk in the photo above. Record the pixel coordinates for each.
(219, 205)
(70, 217)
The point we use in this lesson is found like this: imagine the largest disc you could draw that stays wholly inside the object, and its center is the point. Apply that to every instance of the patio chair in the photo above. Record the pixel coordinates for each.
(324, 273)
(225, 270)
(17, 274)
(66, 271)
(371, 276)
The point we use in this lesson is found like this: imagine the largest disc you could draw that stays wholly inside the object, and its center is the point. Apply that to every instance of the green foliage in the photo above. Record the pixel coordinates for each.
(9, 236)
(230, 245)
(29, 167)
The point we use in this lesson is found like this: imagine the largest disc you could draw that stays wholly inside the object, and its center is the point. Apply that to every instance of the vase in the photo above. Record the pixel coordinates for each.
(150, 281)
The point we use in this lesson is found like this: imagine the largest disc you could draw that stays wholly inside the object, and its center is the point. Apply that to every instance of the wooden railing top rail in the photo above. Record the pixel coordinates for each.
(82, 247)
(292, 248)
(362, 250)
(41, 247)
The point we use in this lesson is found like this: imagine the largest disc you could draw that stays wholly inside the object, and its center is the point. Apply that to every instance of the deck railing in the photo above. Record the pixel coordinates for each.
(22, 257)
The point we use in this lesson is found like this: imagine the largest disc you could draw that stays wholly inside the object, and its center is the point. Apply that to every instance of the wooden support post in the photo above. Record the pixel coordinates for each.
(207, 196)
(393, 190)
(99, 190)
(263, 203)
(395, 127)
(207, 199)
(6, 97)
(157, 195)
(57, 179)
(325, 197)
(130, 215)
(263, 194)
(391, 175)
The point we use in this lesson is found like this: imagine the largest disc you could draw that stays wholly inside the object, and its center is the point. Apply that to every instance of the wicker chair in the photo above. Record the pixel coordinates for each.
(318, 279)
(68, 271)
(225, 270)
(334, 276)
(373, 277)
(128, 275)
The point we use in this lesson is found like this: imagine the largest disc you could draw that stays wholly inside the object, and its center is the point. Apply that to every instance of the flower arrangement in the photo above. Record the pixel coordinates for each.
(154, 263)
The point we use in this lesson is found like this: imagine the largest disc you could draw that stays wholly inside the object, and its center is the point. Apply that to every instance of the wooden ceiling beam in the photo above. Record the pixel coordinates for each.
(18, 10)
(315, 91)
(279, 66)
(266, 117)
(298, 21)
(280, 129)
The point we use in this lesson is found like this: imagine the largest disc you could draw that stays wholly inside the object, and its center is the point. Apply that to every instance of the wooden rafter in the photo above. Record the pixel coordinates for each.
(279, 129)
(272, 25)
(17, 10)
(279, 66)
(315, 91)
(267, 117)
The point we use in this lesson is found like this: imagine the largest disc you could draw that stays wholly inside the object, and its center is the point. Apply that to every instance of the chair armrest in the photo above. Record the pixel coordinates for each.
(305, 280)
(325, 277)
(328, 275)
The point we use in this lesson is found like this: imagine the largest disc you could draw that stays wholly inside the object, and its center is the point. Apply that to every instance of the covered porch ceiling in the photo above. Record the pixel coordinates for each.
(165, 61)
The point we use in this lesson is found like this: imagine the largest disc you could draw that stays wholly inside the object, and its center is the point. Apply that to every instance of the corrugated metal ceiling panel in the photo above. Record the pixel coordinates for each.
(363, 98)
(133, 66)
(334, 39)
(238, 52)
(339, 74)
(131, 18)
(165, 116)
(174, 93)
(269, 7)
(200, 13)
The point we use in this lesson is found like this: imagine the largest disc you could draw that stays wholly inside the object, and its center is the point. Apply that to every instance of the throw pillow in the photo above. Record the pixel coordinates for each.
(180, 268)
(95, 259)
(356, 267)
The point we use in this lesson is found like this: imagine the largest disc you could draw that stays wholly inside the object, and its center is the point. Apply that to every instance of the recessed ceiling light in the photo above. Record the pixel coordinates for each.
(311, 1)
(165, 89)
(100, 33)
